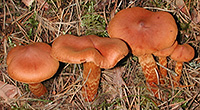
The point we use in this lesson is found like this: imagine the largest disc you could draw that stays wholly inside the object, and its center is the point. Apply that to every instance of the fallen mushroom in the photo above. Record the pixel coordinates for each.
(182, 53)
(94, 52)
(146, 32)
(32, 64)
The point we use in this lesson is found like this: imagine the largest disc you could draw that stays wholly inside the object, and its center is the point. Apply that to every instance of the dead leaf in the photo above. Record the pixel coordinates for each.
(195, 16)
(8, 91)
(183, 8)
(46, 5)
(198, 38)
(28, 2)
(117, 78)
(115, 82)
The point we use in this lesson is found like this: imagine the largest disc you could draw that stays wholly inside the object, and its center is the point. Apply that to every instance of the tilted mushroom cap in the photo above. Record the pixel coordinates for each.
(144, 31)
(183, 53)
(167, 51)
(104, 52)
(31, 63)
(112, 50)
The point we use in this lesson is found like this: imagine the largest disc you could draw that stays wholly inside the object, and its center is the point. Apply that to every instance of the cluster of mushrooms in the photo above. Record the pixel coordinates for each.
(145, 33)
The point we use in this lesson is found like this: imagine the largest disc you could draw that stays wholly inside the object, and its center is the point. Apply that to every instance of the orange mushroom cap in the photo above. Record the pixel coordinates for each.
(145, 31)
(183, 53)
(104, 52)
(31, 63)
(72, 49)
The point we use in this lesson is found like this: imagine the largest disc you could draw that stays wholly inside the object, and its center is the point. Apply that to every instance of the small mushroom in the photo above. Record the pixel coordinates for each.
(182, 53)
(146, 32)
(94, 52)
(162, 54)
(32, 64)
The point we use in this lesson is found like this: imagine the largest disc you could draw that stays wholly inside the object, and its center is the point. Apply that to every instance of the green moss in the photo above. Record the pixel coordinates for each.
(93, 22)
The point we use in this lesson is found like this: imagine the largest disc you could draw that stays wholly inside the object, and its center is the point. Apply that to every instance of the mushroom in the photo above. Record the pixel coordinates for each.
(32, 64)
(162, 54)
(94, 52)
(146, 32)
(182, 53)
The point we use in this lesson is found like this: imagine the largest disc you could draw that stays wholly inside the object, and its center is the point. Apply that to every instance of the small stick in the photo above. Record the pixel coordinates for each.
(167, 69)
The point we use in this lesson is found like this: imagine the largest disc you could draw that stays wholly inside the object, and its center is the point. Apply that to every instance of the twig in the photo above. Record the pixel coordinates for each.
(167, 69)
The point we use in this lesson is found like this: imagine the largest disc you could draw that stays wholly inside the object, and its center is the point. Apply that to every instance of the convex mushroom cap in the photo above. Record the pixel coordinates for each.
(103, 52)
(145, 31)
(31, 63)
(183, 53)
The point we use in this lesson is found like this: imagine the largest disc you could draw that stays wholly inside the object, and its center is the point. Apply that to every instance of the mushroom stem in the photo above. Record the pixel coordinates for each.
(182, 53)
(37, 89)
(149, 68)
(163, 71)
(178, 70)
(91, 76)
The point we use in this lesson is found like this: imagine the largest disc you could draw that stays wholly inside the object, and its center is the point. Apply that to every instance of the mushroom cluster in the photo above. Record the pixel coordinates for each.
(147, 33)
(93, 52)
(32, 64)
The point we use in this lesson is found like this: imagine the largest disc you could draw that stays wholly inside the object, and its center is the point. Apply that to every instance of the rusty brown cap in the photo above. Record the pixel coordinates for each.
(144, 31)
(104, 52)
(183, 53)
(31, 63)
